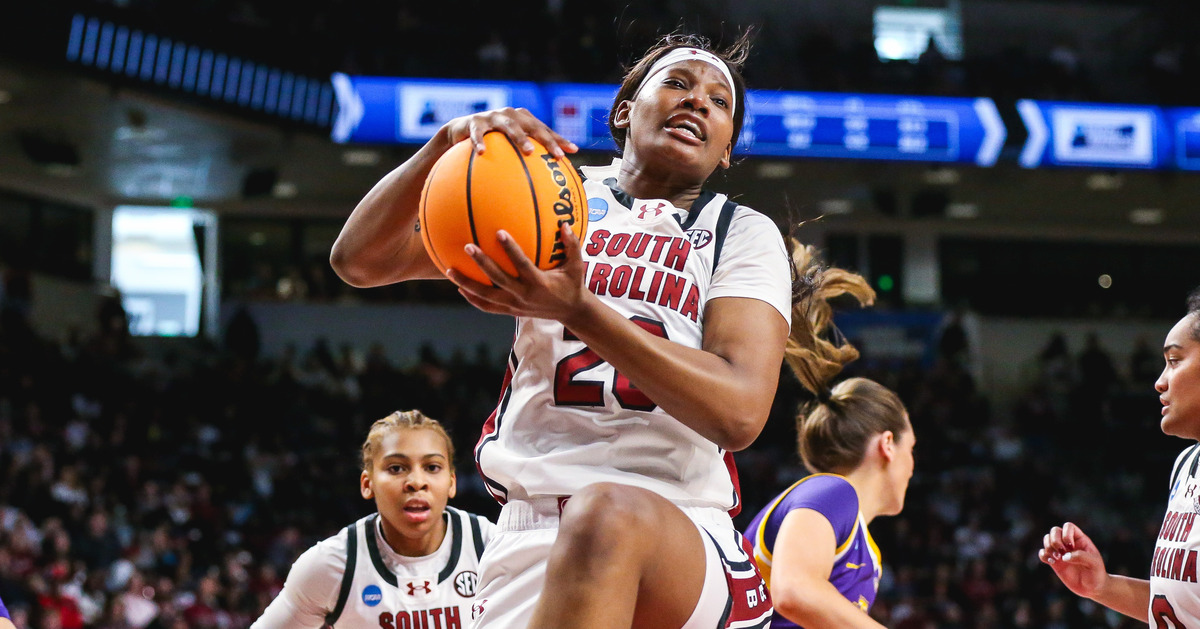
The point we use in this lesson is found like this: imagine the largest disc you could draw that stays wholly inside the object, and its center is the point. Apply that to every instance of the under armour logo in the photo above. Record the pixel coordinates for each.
(424, 586)
(657, 209)
(1190, 490)
(477, 608)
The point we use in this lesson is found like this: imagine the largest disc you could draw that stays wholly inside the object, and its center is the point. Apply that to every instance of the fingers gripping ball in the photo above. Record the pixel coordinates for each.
(469, 197)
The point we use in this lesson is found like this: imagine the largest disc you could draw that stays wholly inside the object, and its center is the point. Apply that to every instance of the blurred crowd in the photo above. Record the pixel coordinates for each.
(173, 484)
(556, 40)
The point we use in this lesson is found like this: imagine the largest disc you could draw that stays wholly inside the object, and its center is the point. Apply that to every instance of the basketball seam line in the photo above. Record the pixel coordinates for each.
(470, 208)
(537, 213)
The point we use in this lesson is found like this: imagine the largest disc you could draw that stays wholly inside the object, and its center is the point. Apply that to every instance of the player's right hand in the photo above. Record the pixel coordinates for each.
(1075, 559)
(517, 123)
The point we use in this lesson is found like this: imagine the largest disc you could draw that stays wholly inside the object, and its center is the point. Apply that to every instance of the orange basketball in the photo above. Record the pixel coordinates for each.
(469, 197)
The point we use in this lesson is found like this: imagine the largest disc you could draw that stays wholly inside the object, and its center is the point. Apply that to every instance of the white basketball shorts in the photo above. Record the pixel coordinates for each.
(513, 570)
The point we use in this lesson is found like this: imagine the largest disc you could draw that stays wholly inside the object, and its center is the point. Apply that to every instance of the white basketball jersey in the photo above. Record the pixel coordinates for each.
(1174, 590)
(566, 419)
(429, 596)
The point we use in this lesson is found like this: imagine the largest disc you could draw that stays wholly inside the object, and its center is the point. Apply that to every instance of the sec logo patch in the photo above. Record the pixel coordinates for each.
(699, 237)
(465, 583)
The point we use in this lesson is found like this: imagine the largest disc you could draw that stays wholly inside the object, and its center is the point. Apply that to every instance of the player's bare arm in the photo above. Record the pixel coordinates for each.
(800, 587)
(379, 243)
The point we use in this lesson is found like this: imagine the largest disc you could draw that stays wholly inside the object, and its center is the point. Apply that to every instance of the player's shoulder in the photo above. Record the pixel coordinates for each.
(325, 561)
(823, 490)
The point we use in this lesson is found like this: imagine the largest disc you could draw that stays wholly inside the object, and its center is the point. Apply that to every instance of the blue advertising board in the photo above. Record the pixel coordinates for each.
(1094, 135)
(387, 110)
(785, 124)
(1184, 123)
(580, 113)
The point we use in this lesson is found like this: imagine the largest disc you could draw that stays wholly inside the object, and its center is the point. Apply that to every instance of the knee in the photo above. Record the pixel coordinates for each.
(604, 515)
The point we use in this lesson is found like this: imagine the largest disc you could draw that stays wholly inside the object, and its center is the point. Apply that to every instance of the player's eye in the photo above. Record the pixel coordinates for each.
(721, 102)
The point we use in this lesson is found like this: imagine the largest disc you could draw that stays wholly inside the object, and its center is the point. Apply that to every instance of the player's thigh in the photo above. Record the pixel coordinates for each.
(664, 548)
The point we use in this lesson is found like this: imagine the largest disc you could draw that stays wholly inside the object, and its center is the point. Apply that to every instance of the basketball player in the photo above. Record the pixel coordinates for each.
(812, 542)
(1171, 598)
(414, 563)
(637, 366)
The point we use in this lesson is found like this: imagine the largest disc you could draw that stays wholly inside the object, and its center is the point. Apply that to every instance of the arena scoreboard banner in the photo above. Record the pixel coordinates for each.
(784, 124)
(1094, 135)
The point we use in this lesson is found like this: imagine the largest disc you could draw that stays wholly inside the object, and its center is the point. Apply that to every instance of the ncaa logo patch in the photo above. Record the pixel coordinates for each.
(465, 583)
(699, 237)
(372, 595)
(597, 208)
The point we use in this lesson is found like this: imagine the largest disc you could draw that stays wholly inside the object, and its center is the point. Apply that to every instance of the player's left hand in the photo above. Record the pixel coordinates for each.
(554, 294)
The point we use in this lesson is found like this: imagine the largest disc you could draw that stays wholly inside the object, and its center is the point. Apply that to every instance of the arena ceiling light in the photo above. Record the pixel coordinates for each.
(834, 207)
(1147, 216)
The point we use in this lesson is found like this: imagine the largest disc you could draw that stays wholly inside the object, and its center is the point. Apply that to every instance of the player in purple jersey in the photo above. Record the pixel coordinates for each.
(5, 619)
(811, 543)
(1170, 599)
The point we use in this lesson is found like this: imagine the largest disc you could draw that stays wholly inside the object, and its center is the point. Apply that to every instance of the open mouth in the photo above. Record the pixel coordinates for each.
(686, 128)
(418, 509)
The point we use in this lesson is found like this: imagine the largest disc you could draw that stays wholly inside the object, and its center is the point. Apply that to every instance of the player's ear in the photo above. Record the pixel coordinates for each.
(364, 486)
(725, 163)
(453, 484)
(887, 446)
(621, 117)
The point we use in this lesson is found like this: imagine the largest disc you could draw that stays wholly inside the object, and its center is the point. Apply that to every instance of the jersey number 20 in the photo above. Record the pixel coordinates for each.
(571, 392)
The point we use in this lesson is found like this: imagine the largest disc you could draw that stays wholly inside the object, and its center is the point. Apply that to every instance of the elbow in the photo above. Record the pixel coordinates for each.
(740, 431)
(348, 268)
(793, 606)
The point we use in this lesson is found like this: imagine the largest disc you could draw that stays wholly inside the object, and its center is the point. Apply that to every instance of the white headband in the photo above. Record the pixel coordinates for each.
(677, 55)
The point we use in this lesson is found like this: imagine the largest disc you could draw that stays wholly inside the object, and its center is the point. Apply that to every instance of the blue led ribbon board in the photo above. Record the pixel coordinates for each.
(387, 110)
(1094, 135)
(1184, 123)
(854, 126)
(781, 124)
(580, 113)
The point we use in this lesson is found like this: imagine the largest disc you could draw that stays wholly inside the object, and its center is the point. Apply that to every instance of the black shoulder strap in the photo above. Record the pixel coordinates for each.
(347, 576)
(723, 221)
(456, 530)
(1190, 453)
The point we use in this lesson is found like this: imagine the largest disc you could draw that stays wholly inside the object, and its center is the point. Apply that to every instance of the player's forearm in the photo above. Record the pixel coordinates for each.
(725, 400)
(379, 243)
(1126, 595)
(820, 606)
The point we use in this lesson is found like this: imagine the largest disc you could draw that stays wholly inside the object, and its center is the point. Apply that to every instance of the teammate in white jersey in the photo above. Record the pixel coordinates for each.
(636, 368)
(414, 563)
(1171, 598)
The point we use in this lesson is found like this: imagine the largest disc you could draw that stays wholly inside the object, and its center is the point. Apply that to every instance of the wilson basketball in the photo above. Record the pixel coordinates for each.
(469, 197)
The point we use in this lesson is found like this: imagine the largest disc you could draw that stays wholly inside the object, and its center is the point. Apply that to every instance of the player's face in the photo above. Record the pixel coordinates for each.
(1179, 385)
(900, 471)
(682, 121)
(411, 480)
